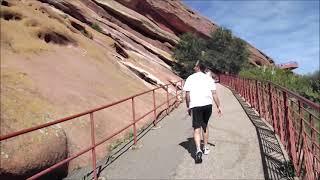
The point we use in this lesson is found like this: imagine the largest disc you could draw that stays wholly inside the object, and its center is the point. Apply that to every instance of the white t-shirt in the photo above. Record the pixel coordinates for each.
(209, 74)
(200, 87)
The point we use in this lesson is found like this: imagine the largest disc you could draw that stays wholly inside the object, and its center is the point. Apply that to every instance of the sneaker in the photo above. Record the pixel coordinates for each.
(198, 157)
(206, 151)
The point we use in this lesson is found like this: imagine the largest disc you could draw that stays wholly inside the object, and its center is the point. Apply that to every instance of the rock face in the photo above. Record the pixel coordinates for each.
(137, 21)
(176, 18)
(172, 16)
(258, 58)
(24, 156)
(62, 57)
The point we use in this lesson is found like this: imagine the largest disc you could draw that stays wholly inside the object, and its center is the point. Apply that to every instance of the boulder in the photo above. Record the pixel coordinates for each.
(28, 154)
(21, 107)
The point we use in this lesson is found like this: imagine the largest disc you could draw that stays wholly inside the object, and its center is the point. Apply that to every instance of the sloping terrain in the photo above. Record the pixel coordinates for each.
(62, 57)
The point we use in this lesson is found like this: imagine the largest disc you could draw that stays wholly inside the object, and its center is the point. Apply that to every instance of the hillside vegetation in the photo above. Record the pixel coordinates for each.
(307, 86)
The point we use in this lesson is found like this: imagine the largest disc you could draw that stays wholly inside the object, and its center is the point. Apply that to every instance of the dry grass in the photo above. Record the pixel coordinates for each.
(23, 36)
(20, 102)
(21, 106)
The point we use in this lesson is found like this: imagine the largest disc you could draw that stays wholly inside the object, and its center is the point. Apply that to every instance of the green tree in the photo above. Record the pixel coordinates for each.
(314, 79)
(187, 52)
(221, 52)
(226, 53)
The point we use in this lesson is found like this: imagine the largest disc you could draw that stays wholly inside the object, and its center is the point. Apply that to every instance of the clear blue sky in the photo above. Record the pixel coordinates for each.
(284, 30)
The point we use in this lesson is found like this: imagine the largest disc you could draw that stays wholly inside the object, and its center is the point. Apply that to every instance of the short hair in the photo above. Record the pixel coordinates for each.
(201, 66)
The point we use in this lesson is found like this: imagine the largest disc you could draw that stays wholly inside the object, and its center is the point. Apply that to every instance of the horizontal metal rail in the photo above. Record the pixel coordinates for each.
(294, 118)
(178, 92)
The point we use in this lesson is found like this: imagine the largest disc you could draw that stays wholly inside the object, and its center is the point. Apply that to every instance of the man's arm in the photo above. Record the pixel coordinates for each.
(216, 100)
(187, 98)
(188, 101)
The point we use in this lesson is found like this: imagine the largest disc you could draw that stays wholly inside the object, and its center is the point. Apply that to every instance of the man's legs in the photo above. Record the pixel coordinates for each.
(196, 124)
(197, 138)
(205, 135)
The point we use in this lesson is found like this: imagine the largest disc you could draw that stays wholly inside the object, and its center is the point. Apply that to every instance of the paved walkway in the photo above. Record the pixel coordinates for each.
(168, 152)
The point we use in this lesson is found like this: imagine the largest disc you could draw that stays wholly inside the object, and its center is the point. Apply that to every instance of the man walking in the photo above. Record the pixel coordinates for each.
(200, 91)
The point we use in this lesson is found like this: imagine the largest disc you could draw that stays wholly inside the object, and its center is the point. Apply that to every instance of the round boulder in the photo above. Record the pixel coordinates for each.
(28, 154)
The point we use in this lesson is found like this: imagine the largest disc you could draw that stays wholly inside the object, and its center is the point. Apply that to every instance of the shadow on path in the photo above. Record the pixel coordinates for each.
(190, 146)
(275, 165)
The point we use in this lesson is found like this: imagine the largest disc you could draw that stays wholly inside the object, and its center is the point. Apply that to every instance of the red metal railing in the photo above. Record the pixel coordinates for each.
(177, 85)
(295, 119)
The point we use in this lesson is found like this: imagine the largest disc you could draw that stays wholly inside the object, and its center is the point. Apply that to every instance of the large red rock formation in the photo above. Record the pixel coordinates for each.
(172, 16)
(175, 17)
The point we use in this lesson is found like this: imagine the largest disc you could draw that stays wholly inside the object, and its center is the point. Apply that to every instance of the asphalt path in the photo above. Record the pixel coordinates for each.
(168, 152)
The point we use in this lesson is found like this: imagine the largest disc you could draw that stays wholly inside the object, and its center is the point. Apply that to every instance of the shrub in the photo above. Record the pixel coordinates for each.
(96, 27)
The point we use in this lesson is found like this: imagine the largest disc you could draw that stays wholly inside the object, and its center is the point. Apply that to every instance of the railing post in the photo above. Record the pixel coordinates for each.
(134, 122)
(248, 96)
(236, 82)
(247, 91)
(262, 101)
(242, 88)
(251, 93)
(176, 92)
(307, 158)
(258, 100)
(293, 149)
(282, 118)
(154, 108)
(275, 113)
(300, 147)
(271, 104)
(313, 139)
(181, 93)
(239, 86)
(168, 99)
(93, 150)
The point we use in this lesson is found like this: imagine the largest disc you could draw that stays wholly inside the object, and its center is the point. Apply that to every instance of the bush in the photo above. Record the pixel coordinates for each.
(96, 27)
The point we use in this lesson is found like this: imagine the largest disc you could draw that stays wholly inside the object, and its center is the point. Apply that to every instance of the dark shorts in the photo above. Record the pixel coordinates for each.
(201, 116)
